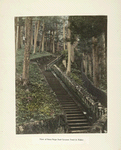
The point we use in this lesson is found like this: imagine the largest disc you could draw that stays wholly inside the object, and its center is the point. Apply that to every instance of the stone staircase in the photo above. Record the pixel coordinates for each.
(76, 119)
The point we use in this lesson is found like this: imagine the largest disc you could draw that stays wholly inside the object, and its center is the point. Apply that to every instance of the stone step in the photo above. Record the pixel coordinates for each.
(78, 131)
(78, 127)
(67, 102)
(72, 112)
(78, 124)
(60, 92)
(64, 97)
(76, 120)
(69, 107)
(57, 88)
(75, 117)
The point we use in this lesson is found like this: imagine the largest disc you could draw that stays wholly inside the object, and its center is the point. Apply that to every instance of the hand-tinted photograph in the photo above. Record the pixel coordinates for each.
(61, 74)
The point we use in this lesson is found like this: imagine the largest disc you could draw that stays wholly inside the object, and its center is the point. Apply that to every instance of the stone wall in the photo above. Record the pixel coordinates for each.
(100, 95)
(94, 109)
(52, 125)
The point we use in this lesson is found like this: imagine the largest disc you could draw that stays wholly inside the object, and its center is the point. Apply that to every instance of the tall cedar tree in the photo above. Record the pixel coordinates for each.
(57, 37)
(63, 34)
(88, 27)
(36, 35)
(15, 34)
(53, 42)
(43, 37)
(69, 50)
(27, 51)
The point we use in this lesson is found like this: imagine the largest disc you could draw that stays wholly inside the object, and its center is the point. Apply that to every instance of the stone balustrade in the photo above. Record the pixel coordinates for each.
(94, 109)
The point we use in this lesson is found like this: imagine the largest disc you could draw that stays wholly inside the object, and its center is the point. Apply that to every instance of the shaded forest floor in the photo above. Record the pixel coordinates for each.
(77, 77)
(37, 108)
(35, 102)
(75, 74)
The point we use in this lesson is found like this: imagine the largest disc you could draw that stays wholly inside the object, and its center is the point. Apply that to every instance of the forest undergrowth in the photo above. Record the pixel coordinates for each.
(75, 73)
(36, 101)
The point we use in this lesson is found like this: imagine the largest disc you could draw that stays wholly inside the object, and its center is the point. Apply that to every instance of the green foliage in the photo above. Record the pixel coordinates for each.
(88, 26)
(61, 66)
(38, 55)
(76, 75)
(21, 21)
(36, 100)
(65, 54)
(76, 78)
(85, 27)
(19, 60)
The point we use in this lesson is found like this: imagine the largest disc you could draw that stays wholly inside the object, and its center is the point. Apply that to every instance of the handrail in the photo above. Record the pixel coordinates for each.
(95, 91)
(48, 66)
(94, 109)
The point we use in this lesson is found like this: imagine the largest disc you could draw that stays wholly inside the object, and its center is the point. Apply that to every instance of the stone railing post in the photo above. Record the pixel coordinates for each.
(95, 109)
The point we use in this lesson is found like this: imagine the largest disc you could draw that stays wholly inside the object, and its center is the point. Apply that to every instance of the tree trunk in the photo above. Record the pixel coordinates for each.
(57, 37)
(40, 44)
(73, 47)
(35, 30)
(46, 45)
(43, 41)
(104, 49)
(19, 39)
(50, 43)
(72, 53)
(15, 34)
(63, 35)
(25, 28)
(83, 62)
(43, 37)
(76, 43)
(32, 35)
(53, 42)
(104, 57)
(90, 65)
(27, 52)
(97, 66)
(100, 68)
(21, 36)
(69, 51)
(93, 55)
(95, 62)
(58, 46)
(86, 64)
(36, 35)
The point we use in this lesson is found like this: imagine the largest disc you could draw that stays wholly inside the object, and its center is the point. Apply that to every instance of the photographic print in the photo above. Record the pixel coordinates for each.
(61, 74)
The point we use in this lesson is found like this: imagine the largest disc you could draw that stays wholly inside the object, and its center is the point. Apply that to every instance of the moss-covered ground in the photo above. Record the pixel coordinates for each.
(76, 71)
(35, 101)
(74, 75)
